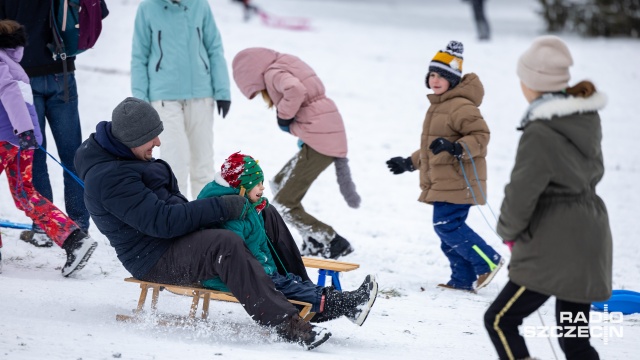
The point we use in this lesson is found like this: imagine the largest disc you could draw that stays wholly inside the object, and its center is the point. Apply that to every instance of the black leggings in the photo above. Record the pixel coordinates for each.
(513, 304)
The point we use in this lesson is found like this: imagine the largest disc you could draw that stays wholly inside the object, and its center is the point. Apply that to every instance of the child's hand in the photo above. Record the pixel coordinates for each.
(398, 165)
(441, 144)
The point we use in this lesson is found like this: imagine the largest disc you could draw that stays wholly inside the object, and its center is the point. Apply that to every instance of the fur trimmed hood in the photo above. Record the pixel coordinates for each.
(575, 118)
(552, 104)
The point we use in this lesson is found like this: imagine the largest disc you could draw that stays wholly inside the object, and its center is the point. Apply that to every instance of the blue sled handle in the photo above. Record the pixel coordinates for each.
(13, 225)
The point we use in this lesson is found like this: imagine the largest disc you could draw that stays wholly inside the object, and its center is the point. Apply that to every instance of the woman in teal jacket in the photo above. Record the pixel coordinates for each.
(178, 65)
(241, 174)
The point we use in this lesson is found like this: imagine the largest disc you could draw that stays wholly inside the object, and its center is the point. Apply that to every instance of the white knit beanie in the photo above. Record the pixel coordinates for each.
(545, 65)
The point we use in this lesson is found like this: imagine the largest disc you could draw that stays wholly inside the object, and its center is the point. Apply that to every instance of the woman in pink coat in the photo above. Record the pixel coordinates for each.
(303, 110)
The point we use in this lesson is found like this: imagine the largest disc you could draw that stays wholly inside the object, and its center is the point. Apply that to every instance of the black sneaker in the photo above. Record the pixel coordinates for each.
(311, 247)
(79, 247)
(294, 329)
(339, 246)
(36, 237)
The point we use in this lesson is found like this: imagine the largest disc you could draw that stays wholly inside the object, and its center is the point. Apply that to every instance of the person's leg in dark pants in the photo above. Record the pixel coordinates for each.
(288, 257)
(64, 121)
(505, 314)
(574, 346)
(206, 254)
(294, 288)
(484, 32)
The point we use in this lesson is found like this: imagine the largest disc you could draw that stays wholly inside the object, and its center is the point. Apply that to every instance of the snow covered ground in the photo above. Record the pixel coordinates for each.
(372, 56)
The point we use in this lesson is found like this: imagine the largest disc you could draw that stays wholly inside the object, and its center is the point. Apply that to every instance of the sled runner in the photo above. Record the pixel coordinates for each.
(196, 293)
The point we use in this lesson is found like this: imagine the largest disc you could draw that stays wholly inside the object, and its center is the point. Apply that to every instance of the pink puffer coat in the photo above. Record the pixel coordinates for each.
(297, 92)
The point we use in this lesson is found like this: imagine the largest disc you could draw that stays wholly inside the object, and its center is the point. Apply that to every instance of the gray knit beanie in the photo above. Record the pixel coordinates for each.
(135, 122)
(545, 65)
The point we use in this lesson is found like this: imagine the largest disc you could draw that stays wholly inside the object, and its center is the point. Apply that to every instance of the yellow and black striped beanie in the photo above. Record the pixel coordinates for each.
(448, 63)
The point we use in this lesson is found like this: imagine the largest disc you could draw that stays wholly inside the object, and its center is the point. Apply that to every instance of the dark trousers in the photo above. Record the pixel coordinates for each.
(291, 184)
(513, 304)
(469, 255)
(484, 32)
(209, 253)
(287, 256)
(64, 122)
(294, 288)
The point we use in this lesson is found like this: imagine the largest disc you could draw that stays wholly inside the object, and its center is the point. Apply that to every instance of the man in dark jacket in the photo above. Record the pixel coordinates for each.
(49, 81)
(159, 235)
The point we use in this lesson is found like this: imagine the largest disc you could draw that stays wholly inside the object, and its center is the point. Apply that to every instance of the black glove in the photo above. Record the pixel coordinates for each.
(235, 205)
(398, 165)
(27, 140)
(223, 107)
(441, 144)
(284, 123)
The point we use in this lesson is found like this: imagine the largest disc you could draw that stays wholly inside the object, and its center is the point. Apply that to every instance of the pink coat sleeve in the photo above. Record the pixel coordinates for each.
(293, 94)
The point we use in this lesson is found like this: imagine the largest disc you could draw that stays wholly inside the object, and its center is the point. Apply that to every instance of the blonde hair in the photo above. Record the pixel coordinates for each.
(582, 89)
(267, 98)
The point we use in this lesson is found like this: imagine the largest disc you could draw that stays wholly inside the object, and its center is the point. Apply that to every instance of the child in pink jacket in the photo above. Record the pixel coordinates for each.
(303, 110)
(19, 136)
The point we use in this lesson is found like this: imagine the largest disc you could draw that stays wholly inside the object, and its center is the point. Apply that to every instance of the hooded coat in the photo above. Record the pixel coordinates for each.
(454, 115)
(17, 110)
(563, 243)
(250, 229)
(137, 204)
(297, 93)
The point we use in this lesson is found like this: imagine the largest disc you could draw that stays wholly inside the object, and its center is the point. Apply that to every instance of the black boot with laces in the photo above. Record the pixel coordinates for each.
(296, 330)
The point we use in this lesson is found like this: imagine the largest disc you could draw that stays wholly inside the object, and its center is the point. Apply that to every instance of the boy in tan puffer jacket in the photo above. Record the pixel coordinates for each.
(453, 170)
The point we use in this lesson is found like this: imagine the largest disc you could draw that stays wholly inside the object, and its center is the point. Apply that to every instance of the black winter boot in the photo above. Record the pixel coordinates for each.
(339, 246)
(355, 305)
(79, 247)
(294, 329)
(311, 247)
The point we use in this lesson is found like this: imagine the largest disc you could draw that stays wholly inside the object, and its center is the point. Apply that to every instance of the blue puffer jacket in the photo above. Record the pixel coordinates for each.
(136, 204)
(177, 52)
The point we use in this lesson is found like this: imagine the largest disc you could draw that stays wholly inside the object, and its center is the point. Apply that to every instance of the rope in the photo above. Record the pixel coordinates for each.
(74, 176)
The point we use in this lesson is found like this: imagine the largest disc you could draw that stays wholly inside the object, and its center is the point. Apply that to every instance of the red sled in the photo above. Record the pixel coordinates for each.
(289, 23)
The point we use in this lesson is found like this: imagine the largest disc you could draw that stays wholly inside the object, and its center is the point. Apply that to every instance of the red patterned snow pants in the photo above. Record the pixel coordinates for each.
(47, 216)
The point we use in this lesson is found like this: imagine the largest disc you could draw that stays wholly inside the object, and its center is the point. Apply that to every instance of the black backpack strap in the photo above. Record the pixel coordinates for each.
(58, 49)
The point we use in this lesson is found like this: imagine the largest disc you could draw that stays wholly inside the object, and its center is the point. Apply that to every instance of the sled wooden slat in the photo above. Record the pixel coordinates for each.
(196, 293)
(331, 268)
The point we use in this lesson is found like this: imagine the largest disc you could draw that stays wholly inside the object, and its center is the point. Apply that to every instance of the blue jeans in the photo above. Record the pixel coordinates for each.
(468, 254)
(64, 120)
(294, 288)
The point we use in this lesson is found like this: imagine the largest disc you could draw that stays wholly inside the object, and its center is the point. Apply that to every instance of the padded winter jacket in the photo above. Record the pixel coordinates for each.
(250, 229)
(297, 93)
(177, 52)
(560, 225)
(454, 115)
(17, 111)
(137, 204)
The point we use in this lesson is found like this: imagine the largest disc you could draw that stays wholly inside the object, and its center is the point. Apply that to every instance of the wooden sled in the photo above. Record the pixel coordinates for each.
(196, 293)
